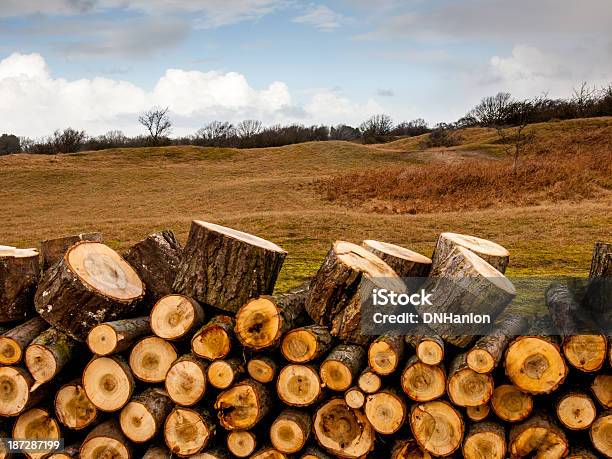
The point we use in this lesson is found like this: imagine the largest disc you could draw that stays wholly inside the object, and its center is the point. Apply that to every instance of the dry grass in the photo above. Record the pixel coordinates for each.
(127, 194)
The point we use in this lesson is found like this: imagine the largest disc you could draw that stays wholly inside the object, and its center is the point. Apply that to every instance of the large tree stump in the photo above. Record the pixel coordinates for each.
(143, 417)
(465, 386)
(437, 427)
(243, 406)
(336, 290)
(156, 260)
(106, 440)
(90, 285)
(18, 280)
(494, 254)
(404, 262)
(48, 353)
(225, 268)
(73, 408)
(53, 250)
(188, 431)
(510, 404)
(36, 424)
(422, 382)
(117, 336)
(538, 436)
(14, 341)
(485, 440)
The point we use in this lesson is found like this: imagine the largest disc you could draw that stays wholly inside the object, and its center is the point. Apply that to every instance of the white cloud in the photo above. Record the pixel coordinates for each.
(321, 17)
(34, 103)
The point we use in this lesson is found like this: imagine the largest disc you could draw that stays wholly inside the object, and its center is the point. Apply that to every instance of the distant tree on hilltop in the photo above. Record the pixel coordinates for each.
(9, 144)
(157, 123)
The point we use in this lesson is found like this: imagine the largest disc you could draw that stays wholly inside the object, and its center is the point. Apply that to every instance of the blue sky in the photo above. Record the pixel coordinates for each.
(95, 64)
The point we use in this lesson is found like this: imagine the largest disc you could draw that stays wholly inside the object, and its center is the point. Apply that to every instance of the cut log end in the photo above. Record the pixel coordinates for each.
(173, 316)
(290, 431)
(602, 390)
(258, 323)
(468, 388)
(601, 434)
(106, 440)
(493, 253)
(480, 361)
(188, 431)
(137, 423)
(102, 339)
(36, 424)
(73, 407)
(214, 340)
(354, 398)
(335, 375)
(242, 406)
(385, 353)
(510, 404)
(298, 385)
(485, 440)
(151, 358)
(437, 427)
(585, 352)
(108, 383)
(15, 385)
(369, 382)
(117, 336)
(478, 413)
(422, 382)
(386, 411)
(302, 345)
(10, 351)
(241, 443)
(186, 381)
(41, 363)
(262, 369)
(223, 373)
(405, 262)
(576, 411)
(430, 352)
(538, 437)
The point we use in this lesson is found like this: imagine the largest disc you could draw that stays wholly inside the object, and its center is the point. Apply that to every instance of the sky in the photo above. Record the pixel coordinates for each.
(96, 64)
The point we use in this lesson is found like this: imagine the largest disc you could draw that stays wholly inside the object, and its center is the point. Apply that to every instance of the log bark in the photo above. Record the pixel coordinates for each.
(176, 316)
(72, 407)
(225, 268)
(186, 380)
(14, 341)
(224, 373)
(386, 410)
(262, 321)
(601, 434)
(354, 398)
(428, 346)
(461, 284)
(106, 440)
(465, 386)
(19, 271)
(69, 452)
(188, 431)
(157, 452)
(341, 366)
(90, 285)
(117, 336)
(108, 382)
(599, 289)
(342, 431)
(422, 382)
(151, 358)
(290, 431)
(241, 443)
(17, 391)
(35, 424)
(385, 354)
(580, 452)
(602, 390)
(269, 453)
(48, 353)
(335, 291)
(510, 404)
(488, 351)
(243, 406)
(478, 413)
(538, 436)
(485, 439)
(262, 368)
(53, 250)
(302, 345)
(576, 410)
(215, 339)
(143, 417)
(313, 452)
(437, 427)
(156, 260)
(299, 385)
(404, 262)
(369, 382)
(408, 449)
(494, 254)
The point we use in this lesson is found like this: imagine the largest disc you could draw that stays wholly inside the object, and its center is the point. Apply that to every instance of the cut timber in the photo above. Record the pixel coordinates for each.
(186, 380)
(214, 340)
(151, 358)
(108, 383)
(485, 440)
(538, 437)
(18, 281)
(17, 391)
(106, 440)
(223, 373)
(241, 443)
(143, 417)
(117, 336)
(429, 347)
(354, 398)
(213, 453)
(463, 283)
(262, 321)
(48, 353)
(312, 452)
(492, 253)
(602, 390)
(269, 453)
(478, 413)
(386, 410)
(262, 368)
(53, 250)
(90, 285)
(510, 404)
(243, 406)
(385, 354)
(69, 452)
(465, 386)
(408, 449)
(599, 290)
(601, 434)
(488, 351)
(576, 411)
(422, 382)
(156, 260)
(73, 408)
(580, 452)
(304, 344)
(187, 431)
(404, 262)
(369, 382)
(343, 431)
(583, 348)
(290, 431)
(36, 424)
(535, 365)
(437, 427)
(335, 291)
(14, 341)
(341, 366)
(299, 385)
(225, 268)
(176, 316)
(157, 452)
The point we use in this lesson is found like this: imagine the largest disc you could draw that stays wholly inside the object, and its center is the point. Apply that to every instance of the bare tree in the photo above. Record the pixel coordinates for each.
(248, 128)
(157, 122)
(376, 127)
(344, 132)
(67, 141)
(583, 98)
(516, 138)
(215, 133)
(492, 111)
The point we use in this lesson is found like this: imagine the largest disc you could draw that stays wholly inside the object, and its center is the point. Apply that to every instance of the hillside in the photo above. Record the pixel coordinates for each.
(276, 193)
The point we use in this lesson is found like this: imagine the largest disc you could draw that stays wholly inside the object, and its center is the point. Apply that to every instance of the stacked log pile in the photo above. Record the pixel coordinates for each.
(171, 351)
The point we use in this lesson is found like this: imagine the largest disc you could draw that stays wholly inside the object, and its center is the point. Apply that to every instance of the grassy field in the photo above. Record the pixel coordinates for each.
(276, 193)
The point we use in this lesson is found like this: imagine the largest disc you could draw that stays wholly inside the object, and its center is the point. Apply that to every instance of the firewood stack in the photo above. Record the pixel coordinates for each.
(173, 351)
